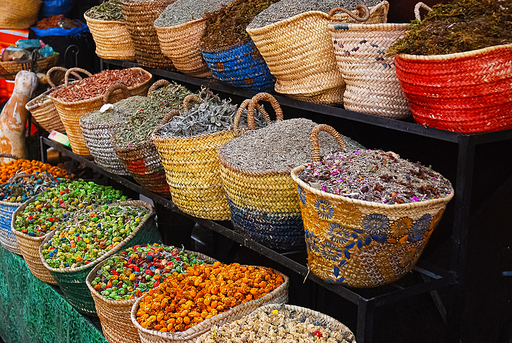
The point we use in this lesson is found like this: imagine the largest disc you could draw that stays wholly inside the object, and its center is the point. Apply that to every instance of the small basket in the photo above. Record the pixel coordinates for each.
(7, 236)
(298, 52)
(113, 42)
(462, 92)
(139, 17)
(72, 281)
(70, 112)
(240, 65)
(369, 72)
(181, 43)
(277, 296)
(115, 315)
(362, 243)
(9, 69)
(15, 14)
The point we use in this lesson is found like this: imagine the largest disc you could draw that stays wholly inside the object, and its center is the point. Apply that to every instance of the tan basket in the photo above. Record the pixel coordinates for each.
(16, 14)
(113, 42)
(70, 112)
(139, 17)
(12, 67)
(362, 243)
(115, 315)
(369, 72)
(181, 43)
(298, 52)
(278, 296)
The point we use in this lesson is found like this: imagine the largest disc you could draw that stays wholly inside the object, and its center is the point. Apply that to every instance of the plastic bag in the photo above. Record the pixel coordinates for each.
(53, 7)
(57, 31)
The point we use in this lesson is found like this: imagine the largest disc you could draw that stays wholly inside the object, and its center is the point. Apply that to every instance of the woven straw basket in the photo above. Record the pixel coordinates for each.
(462, 92)
(7, 236)
(9, 69)
(71, 112)
(113, 42)
(278, 296)
(298, 52)
(362, 243)
(114, 315)
(323, 319)
(192, 169)
(16, 14)
(139, 17)
(181, 43)
(72, 280)
(369, 72)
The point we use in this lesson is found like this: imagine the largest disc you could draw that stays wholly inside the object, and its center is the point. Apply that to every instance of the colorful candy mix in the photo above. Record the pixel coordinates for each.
(7, 170)
(23, 186)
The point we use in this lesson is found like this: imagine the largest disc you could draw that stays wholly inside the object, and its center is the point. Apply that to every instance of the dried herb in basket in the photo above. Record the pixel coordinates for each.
(107, 10)
(459, 26)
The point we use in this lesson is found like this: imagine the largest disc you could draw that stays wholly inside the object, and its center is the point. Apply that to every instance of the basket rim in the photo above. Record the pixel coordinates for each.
(334, 197)
(118, 247)
(85, 101)
(227, 165)
(220, 316)
(457, 55)
(55, 54)
(368, 27)
(226, 47)
(87, 18)
(190, 139)
(180, 26)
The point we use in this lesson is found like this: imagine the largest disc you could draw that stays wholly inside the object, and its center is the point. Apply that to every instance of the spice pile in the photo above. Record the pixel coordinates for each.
(9, 169)
(138, 269)
(57, 21)
(183, 11)
(56, 205)
(91, 233)
(281, 146)
(376, 176)
(115, 114)
(98, 84)
(23, 186)
(108, 10)
(278, 325)
(184, 300)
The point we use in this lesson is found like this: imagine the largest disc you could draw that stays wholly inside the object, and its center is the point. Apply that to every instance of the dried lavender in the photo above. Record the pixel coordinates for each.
(281, 146)
(377, 176)
(107, 10)
(183, 11)
(119, 112)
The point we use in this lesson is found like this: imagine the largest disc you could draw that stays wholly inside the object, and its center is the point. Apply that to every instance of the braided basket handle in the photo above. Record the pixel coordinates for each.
(121, 86)
(240, 111)
(51, 70)
(188, 99)
(66, 77)
(363, 18)
(315, 145)
(169, 116)
(417, 8)
(9, 156)
(158, 84)
(255, 101)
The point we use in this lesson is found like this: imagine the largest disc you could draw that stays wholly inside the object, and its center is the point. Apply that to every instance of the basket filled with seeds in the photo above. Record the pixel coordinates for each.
(281, 323)
(188, 146)
(132, 139)
(116, 283)
(108, 29)
(293, 38)
(206, 295)
(255, 171)
(180, 28)
(75, 100)
(368, 214)
(33, 221)
(108, 228)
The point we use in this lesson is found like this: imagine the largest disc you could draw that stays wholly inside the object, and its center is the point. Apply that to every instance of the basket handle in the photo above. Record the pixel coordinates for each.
(158, 84)
(315, 146)
(350, 14)
(51, 70)
(121, 86)
(417, 8)
(169, 116)
(13, 157)
(189, 98)
(66, 77)
(241, 109)
(255, 101)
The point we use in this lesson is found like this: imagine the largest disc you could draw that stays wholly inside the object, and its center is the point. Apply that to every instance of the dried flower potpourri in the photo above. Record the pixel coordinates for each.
(91, 233)
(137, 269)
(376, 176)
(107, 10)
(56, 205)
(183, 11)
(23, 186)
(9, 169)
(184, 300)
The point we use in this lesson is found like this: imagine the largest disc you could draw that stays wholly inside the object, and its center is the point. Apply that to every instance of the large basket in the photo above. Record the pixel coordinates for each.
(278, 296)
(8, 69)
(71, 112)
(241, 66)
(139, 17)
(318, 317)
(181, 43)
(362, 243)
(16, 14)
(72, 280)
(298, 52)
(113, 42)
(369, 72)
(7, 236)
(114, 315)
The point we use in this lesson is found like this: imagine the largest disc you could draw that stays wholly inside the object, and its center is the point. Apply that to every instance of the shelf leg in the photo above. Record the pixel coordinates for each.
(42, 147)
(365, 317)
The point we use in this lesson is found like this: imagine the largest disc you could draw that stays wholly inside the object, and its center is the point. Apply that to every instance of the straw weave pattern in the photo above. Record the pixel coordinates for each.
(18, 14)
(45, 113)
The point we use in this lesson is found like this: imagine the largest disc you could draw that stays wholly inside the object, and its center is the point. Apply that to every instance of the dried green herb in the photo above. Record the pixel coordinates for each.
(107, 10)
(459, 26)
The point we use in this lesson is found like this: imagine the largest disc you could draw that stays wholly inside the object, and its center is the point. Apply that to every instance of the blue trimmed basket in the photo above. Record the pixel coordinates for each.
(241, 66)
(7, 237)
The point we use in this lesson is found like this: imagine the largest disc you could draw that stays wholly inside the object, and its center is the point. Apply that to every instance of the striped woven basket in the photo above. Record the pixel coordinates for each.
(362, 243)
(298, 52)
(9, 69)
